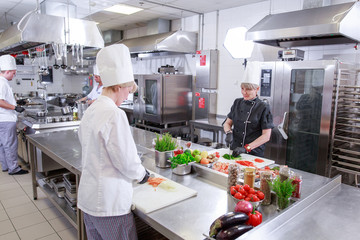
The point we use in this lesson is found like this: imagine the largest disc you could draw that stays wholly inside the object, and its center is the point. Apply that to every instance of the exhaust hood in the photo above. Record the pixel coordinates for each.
(335, 24)
(167, 43)
(36, 29)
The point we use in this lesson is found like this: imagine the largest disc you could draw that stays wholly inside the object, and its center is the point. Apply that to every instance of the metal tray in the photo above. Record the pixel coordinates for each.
(345, 165)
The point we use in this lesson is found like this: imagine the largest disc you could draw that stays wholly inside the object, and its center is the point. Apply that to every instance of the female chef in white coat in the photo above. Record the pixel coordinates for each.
(109, 156)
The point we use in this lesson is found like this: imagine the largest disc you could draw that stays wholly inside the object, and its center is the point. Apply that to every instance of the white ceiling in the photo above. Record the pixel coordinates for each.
(11, 11)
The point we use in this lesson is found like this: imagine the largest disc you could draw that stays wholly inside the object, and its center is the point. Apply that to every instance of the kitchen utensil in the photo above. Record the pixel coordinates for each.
(64, 56)
(55, 48)
(73, 66)
(83, 71)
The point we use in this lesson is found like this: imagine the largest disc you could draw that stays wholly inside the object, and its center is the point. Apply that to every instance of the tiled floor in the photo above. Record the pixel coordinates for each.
(21, 217)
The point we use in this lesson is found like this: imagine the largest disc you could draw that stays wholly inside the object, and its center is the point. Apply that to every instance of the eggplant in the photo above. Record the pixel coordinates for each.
(233, 232)
(227, 220)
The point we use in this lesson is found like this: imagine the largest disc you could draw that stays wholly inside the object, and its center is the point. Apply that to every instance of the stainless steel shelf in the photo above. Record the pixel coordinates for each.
(59, 203)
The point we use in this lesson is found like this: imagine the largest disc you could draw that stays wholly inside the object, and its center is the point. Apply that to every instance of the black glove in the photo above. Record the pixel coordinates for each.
(238, 151)
(229, 138)
(144, 180)
(19, 109)
(21, 102)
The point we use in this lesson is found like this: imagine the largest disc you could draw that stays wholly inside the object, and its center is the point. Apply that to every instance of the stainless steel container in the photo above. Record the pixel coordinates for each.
(66, 110)
(182, 169)
(161, 159)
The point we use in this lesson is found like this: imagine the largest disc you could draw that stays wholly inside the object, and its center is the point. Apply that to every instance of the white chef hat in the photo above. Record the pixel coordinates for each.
(95, 70)
(115, 67)
(7, 62)
(252, 73)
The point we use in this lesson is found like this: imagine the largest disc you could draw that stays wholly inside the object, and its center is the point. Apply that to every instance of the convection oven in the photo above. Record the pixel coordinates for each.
(300, 96)
(163, 98)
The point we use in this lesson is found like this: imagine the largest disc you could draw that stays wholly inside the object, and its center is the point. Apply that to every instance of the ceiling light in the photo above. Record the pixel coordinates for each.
(123, 9)
(236, 44)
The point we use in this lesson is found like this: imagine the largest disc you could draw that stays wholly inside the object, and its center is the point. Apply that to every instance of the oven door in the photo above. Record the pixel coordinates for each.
(151, 104)
(301, 108)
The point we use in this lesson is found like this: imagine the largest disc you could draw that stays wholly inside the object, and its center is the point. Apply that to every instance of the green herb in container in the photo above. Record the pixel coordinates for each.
(166, 143)
(283, 191)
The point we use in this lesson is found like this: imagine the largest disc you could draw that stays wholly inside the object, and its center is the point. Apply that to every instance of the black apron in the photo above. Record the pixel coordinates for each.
(249, 118)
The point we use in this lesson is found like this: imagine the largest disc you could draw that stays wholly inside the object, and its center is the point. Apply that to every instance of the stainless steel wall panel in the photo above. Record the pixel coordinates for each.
(207, 68)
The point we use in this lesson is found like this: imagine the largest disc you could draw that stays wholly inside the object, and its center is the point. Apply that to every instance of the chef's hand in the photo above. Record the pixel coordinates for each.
(19, 109)
(238, 151)
(144, 180)
(229, 138)
(21, 102)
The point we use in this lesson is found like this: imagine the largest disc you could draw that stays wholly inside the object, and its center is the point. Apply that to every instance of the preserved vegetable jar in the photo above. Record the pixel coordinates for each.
(265, 178)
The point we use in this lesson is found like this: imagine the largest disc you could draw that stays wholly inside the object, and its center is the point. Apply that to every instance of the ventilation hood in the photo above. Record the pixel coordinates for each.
(169, 42)
(336, 24)
(36, 29)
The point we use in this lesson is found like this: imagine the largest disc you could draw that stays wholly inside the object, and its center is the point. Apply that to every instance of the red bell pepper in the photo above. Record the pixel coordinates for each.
(255, 218)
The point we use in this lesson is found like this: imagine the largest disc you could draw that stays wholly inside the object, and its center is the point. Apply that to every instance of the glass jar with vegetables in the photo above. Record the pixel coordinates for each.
(296, 181)
(283, 190)
(284, 173)
(234, 170)
(249, 177)
(265, 182)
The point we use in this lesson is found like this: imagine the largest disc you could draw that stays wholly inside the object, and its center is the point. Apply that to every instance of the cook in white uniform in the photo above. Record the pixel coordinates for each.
(110, 162)
(8, 118)
(96, 90)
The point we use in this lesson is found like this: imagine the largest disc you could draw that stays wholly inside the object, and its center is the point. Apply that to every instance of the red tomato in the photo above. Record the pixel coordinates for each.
(238, 187)
(233, 190)
(247, 199)
(243, 192)
(260, 195)
(254, 198)
(238, 196)
(217, 154)
(246, 187)
(252, 191)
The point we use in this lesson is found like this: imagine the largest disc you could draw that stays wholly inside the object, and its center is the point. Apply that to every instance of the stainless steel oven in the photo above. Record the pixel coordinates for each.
(300, 95)
(163, 98)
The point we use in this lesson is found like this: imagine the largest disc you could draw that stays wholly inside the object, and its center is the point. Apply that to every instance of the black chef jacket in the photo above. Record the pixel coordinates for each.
(249, 118)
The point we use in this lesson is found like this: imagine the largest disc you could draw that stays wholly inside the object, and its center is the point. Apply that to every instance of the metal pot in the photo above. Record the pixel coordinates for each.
(40, 114)
(66, 110)
(161, 159)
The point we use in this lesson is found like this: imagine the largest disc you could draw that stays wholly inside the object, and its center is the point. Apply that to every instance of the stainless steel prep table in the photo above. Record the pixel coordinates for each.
(192, 217)
(212, 123)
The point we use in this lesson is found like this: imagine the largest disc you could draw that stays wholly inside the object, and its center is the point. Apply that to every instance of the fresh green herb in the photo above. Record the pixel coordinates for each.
(165, 143)
(184, 158)
(276, 168)
(282, 189)
(230, 157)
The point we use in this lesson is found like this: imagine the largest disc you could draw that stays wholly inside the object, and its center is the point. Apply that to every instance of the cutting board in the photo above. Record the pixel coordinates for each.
(147, 199)
(244, 157)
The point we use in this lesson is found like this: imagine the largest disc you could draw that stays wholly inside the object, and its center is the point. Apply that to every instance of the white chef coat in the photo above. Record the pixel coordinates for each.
(6, 93)
(109, 160)
(95, 92)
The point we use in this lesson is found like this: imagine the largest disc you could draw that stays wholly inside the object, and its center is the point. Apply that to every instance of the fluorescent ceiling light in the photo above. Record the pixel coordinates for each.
(123, 9)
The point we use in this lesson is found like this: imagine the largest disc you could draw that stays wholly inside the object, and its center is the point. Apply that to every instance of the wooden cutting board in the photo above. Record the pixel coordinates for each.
(147, 199)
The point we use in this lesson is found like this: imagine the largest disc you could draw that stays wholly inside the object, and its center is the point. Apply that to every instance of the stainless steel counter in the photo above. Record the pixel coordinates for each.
(326, 209)
(212, 124)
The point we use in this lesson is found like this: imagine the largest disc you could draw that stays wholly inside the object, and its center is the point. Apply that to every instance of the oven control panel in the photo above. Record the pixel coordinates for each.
(265, 84)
